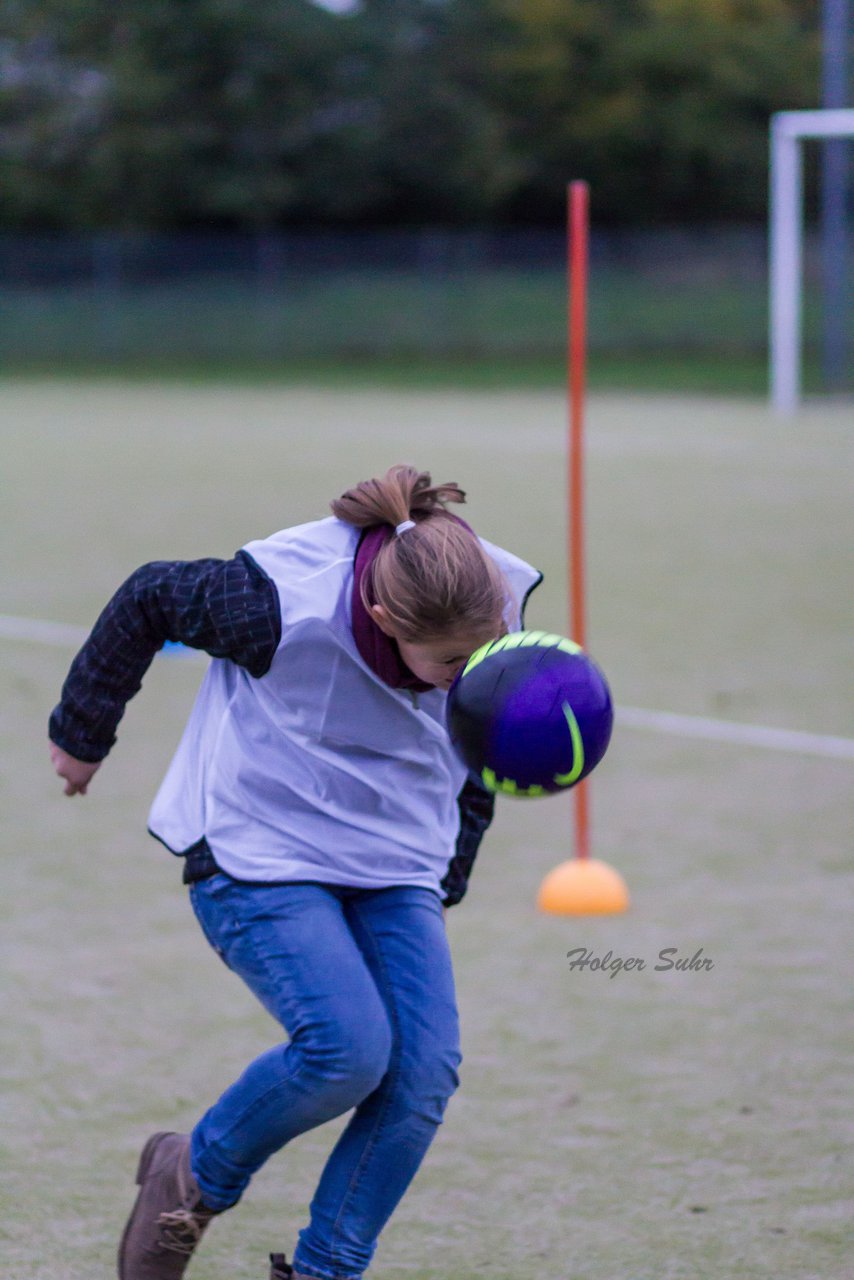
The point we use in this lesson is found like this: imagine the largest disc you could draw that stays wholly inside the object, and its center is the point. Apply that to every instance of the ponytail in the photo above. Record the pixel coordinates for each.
(403, 493)
(434, 578)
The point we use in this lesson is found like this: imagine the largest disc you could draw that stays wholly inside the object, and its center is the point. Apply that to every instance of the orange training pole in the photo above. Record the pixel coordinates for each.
(580, 886)
(578, 217)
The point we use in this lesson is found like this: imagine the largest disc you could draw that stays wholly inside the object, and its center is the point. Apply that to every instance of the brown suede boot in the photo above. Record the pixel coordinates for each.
(280, 1269)
(169, 1216)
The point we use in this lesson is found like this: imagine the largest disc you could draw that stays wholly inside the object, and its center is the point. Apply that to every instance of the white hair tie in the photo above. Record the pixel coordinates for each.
(403, 526)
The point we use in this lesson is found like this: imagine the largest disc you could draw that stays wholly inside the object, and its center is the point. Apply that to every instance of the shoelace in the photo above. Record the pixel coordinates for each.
(182, 1229)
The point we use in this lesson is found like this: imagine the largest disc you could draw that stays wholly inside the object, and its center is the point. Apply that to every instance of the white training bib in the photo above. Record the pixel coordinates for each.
(318, 770)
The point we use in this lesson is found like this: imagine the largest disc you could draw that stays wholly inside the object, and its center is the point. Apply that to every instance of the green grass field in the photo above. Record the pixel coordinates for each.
(380, 313)
(689, 330)
(654, 1126)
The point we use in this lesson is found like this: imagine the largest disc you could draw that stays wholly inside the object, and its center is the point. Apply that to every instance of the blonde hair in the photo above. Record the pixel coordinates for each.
(433, 579)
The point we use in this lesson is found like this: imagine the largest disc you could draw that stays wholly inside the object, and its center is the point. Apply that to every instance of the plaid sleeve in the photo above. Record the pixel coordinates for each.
(477, 806)
(229, 608)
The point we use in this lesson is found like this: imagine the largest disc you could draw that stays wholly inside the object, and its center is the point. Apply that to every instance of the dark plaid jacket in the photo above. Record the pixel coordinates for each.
(228, 608)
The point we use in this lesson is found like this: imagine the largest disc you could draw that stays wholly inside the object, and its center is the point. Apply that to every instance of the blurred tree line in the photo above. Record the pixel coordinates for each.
(271, 113)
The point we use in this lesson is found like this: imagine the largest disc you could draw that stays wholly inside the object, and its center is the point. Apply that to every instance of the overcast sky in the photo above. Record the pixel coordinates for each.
(337, 6)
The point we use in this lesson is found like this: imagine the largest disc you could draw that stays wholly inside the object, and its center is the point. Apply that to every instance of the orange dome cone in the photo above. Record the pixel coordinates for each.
(583, 887)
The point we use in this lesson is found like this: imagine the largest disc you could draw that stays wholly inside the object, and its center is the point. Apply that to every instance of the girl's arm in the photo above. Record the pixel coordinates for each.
(229, 608)
(477, 806)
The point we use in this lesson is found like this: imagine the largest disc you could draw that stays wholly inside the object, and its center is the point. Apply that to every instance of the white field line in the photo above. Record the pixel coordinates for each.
(34, 631)
(62, 635)
(746, 735)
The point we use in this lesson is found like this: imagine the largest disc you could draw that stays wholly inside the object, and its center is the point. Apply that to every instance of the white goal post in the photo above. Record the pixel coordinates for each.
(788, 130)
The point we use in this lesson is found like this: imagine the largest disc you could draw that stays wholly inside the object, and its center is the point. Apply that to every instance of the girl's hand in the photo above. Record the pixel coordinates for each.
(77, 773)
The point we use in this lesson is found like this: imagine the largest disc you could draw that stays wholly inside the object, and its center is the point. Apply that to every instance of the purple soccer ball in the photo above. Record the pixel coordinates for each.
(530, 713)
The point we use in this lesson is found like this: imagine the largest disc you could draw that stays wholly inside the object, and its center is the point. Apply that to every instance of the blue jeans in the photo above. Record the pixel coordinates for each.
(361, 980)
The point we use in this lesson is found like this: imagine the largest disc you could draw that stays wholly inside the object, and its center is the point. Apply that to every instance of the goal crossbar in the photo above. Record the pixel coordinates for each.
(788, 131)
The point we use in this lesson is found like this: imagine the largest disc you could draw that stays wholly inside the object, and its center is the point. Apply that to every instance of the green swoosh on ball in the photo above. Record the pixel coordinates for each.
(567, 779)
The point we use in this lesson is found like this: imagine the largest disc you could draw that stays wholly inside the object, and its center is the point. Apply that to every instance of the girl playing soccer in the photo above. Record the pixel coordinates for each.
(324, 819)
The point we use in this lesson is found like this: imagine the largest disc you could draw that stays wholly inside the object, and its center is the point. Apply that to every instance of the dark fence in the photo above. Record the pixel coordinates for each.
(276, 299)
